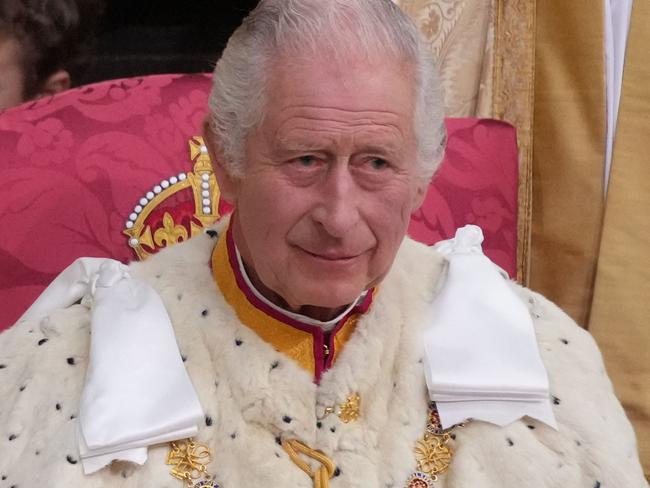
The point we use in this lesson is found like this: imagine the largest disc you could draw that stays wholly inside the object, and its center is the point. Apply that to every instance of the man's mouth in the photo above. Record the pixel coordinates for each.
(331, 255)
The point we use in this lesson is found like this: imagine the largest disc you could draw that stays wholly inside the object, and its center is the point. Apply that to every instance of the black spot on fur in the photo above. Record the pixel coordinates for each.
(277, 455)
(205, 312)
(183, 357)
(57, 406)
(286, 419)
(70, 361)
(564, 341)
(238, 342)
(37, 453)
(208, 420)
(73, 416)
(531, 427)
(337, 472)
(278, 441)
(42, 341)
(3, 366)
(556, 400)
(578, 443)
(453, 436)
(212, 233)
(275, 364)
(319, 424)
(158, 276)
(233, 435)
(22, 388)
(179, 297)
(4, 477)
(510, 442)
(332, 429)
(70, 459)
(597, 485)
(12, 437)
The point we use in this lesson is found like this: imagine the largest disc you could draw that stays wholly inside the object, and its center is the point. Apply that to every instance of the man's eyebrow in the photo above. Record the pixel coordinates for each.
(388, 148)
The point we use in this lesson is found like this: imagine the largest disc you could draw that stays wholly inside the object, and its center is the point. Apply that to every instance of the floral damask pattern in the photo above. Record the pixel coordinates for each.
(460, 35)
(73, 166)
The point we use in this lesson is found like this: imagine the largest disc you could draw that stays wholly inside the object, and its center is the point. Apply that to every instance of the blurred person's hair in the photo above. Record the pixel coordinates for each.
(51, 35)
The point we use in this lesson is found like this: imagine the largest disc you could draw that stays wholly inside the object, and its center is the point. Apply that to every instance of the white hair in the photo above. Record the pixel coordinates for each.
(279, 28)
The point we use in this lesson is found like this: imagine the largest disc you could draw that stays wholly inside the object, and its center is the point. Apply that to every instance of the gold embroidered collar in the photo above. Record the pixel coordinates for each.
(309, 345)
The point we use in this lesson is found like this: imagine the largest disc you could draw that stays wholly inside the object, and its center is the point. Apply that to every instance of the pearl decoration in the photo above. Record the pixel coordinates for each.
(205, 193)
(206, 210)
(129, 225)
(204, 149)
(133, 216)
(138, 209)
(133, 242)
(205, 185)
(157, 189)
(164, 184)
(173, 180)
(150, 195)
(143, 201)
(182, 176)
(205, 177)
(206, 201)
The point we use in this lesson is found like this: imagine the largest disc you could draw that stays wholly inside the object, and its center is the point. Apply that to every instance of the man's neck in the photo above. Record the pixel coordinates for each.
(322, 314)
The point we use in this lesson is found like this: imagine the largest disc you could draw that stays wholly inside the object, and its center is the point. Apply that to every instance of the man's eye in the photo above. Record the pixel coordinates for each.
(378, 163)
(306, 161)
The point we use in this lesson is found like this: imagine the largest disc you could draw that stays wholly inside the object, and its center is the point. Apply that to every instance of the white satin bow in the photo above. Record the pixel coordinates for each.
(481, 353)
(137, 392)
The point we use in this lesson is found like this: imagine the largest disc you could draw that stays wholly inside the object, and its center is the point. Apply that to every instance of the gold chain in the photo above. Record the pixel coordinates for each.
(190, 460)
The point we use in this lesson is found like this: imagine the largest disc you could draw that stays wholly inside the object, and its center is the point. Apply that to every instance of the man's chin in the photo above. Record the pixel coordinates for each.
(327, 302)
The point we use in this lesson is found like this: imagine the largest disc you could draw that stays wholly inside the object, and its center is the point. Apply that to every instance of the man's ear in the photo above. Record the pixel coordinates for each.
(57, 82)
(420, 194)
(228, 185)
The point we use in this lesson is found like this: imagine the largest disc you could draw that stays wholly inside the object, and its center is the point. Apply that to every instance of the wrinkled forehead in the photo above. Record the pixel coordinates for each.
(356, 84)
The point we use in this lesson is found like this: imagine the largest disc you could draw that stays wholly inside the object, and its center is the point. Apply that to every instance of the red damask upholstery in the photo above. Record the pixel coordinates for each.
(73, 166)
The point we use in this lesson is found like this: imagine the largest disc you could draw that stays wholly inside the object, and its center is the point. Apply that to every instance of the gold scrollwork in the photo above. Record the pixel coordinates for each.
(349, 410)
(432, 454)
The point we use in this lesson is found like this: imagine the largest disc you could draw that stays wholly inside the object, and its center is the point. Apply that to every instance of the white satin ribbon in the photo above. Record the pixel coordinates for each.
(137, 392)
(481, 355)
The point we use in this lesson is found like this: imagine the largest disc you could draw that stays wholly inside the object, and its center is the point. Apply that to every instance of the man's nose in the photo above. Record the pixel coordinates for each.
(338, 210)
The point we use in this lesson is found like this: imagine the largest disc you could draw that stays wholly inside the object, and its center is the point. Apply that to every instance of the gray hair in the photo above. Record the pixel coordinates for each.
(276, 28)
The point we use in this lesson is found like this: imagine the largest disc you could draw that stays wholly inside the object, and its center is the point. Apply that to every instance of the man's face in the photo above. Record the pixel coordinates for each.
(11, 74)
(330, 181)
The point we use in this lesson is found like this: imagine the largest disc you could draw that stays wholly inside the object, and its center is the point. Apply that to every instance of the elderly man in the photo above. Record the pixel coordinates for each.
(314, 335)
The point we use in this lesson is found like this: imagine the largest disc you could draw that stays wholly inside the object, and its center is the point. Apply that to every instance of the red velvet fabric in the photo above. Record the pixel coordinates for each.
(73, 166)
